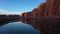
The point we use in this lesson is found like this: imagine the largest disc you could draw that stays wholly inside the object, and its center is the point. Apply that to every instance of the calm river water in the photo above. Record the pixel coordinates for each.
(18, 28)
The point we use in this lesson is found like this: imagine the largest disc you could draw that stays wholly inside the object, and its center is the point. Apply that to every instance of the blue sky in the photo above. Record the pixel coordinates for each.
(18, 6)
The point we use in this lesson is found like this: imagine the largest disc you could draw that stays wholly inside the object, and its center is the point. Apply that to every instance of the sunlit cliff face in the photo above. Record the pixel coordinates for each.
(41, 5)
(21, 14)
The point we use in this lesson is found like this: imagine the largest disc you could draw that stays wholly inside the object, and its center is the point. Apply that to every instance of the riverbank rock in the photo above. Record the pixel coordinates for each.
(49, 15)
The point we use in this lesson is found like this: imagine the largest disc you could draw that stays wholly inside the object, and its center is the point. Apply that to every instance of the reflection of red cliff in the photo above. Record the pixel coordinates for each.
(50, 9)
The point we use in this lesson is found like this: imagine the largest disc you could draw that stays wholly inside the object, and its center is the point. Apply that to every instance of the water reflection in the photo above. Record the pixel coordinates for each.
(17, 28)
(35, 23)
(40, 26)
(45, 26)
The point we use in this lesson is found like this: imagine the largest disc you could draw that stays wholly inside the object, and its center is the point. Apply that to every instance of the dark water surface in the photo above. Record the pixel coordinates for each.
(18, 28)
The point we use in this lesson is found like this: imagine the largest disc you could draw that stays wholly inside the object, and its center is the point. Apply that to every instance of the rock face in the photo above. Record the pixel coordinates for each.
(53, 7)
(47, 13)
(48, 8)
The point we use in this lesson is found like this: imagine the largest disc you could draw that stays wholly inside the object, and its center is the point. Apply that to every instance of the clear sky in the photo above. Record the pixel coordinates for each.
(18, 6)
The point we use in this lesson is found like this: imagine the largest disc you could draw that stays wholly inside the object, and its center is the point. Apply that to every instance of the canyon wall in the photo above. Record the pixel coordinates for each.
(46, 13)
(48, 8)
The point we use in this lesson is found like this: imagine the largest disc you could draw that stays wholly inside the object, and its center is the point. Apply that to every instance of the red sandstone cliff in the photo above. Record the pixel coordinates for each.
(51, 8)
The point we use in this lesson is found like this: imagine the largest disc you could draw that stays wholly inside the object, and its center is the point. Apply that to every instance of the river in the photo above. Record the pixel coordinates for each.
(18, 28)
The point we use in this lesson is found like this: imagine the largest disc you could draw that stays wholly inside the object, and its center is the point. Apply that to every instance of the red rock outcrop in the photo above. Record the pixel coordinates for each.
(48, 8)
(47, 13)
(53, 7)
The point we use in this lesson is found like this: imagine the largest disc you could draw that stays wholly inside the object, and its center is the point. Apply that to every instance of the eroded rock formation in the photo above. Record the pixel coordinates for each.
(53, 7)
(49, 25)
